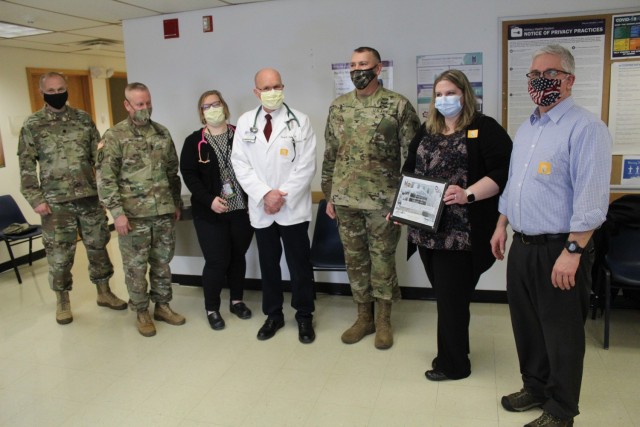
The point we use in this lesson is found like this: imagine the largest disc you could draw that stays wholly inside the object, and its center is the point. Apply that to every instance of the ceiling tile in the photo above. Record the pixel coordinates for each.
(113, 32)
(104, 10)
(20, 43)
(95, 52)
(56, 38)
(17, 14)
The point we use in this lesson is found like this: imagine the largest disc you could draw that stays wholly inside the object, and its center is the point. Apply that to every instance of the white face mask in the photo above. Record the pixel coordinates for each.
(272, 100)
(214, 116)
(448, 106)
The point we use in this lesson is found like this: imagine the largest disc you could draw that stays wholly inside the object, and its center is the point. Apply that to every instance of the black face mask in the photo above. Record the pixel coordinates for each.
(56, 100)
(362, 78)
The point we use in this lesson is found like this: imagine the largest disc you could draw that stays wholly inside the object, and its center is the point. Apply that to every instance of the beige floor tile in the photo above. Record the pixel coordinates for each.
(99, 371)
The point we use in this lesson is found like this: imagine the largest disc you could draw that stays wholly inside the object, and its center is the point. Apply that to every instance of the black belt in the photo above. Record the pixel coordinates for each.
(539, 239)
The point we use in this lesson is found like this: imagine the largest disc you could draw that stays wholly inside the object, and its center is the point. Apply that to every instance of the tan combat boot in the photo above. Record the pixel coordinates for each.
(145, 324)
(384, 337)
(363, 326)
(106, 298)
(163, 312)
(63, 308)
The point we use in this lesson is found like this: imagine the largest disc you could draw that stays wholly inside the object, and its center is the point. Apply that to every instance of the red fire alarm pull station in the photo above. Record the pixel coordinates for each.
(207, 24)
(171, 30)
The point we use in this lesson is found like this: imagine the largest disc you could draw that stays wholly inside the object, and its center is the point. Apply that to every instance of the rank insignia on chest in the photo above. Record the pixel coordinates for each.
(472, 133)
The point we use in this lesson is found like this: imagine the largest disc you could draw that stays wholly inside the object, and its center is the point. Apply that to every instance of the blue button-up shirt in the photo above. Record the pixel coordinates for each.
(559, 173)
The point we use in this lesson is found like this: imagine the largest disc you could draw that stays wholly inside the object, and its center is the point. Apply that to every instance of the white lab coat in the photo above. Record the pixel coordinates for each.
(262, 166)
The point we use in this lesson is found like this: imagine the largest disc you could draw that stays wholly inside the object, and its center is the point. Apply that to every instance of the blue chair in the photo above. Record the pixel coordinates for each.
(327, 253)
(621, 268)
(10, 213)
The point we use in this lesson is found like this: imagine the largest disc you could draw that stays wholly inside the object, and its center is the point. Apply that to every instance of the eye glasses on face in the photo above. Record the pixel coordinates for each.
(214, 105)
(548, 74)
(270, 88)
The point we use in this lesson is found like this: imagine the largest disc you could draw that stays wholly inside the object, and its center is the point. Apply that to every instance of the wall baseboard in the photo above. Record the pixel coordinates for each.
(409, 293)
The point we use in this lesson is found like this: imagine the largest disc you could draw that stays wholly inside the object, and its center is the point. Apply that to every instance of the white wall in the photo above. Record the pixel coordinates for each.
(15, 106)
(302, 38)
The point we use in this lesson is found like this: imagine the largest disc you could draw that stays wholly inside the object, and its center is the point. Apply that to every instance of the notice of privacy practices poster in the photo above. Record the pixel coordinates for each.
(586, 41)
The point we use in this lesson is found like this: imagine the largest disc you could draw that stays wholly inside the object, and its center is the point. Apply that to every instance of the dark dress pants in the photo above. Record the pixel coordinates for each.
(453, 281)
(224, 244)
(297, 252)
(548, 323)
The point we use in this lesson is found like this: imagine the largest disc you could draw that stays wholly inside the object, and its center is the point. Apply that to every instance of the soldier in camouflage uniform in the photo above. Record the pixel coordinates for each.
(367, 134)
(138, 182)
(58, 143)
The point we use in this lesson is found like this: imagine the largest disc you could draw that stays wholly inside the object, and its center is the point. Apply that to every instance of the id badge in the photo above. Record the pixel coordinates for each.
(227, 190)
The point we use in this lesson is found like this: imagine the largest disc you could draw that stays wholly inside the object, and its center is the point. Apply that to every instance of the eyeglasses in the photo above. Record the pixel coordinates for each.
(548, 74)
(214, 105)
(268, 89)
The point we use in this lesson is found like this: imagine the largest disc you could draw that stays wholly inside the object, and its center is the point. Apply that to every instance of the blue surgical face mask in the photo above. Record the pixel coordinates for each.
(449, 106)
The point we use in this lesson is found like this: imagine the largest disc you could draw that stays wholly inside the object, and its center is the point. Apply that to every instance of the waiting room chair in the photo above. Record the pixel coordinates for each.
(10, 213)
(621, 268)
(327, 253)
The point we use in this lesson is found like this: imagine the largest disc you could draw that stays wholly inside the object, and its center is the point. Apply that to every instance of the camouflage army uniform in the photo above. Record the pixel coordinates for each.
(137, 171)
(63, 146)
(366, 140)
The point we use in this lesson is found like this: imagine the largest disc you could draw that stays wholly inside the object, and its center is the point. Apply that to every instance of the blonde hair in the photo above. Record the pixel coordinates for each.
(225, 107)
(435, 121)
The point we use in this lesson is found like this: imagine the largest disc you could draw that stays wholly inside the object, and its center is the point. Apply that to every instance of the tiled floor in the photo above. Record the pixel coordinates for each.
(98, 371)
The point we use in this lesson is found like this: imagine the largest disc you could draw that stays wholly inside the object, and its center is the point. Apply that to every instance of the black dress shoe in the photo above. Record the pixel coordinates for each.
(215, 320)
(240, 309)
(306, 334)
(434, 363)
(269, 328)
(436, 375)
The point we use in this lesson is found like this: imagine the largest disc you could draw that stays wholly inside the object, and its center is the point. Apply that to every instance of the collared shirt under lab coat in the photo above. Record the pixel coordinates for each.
(262, 166)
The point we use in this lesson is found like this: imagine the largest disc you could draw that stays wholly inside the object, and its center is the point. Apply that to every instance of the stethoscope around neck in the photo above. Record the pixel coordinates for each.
(254, 128)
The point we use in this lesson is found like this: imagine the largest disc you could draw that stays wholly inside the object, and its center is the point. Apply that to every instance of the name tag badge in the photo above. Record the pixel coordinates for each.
(472, 133)
(249, 137)
(544, 168)
(284, 152)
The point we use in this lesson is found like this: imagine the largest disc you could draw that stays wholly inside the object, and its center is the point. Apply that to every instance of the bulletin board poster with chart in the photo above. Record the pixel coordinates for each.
(625, 42)
(585, 38)
(428, 67)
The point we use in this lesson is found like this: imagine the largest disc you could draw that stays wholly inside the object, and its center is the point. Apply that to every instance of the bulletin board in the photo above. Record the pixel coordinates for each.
(589, 37)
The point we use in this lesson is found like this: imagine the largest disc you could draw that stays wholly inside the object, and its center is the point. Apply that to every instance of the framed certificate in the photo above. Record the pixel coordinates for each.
(418, 201)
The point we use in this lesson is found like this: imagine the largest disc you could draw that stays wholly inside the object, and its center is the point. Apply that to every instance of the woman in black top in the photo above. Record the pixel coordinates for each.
(471, 151)
(219, 207)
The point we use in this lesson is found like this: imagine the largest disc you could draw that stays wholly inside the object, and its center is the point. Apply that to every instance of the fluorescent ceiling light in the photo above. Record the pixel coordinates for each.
(9, 31)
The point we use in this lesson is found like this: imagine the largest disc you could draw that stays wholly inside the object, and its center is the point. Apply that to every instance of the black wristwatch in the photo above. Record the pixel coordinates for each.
(573, 248)
(470, 196)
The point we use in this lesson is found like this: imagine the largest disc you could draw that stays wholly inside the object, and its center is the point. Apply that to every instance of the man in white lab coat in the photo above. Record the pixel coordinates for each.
(274, 158)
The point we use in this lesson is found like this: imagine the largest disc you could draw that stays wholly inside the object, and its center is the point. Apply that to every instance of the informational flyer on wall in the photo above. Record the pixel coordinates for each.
(429, 67)
(630, 170)
(624, 107)
(625, 42)
(342, 77)
(586, 41)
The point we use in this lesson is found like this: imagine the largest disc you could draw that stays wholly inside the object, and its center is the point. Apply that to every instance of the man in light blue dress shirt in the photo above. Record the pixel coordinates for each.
(556, 196)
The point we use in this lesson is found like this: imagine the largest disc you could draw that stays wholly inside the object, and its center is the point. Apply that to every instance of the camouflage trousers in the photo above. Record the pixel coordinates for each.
(370, 253)
(60, 232)
(150, 242)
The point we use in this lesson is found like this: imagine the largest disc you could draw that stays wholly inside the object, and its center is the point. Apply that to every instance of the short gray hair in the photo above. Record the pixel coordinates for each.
(566, 58)
(45, 76)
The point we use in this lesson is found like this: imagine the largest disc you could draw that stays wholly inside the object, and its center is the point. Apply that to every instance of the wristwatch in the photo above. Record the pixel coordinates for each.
(470, 196)
(573, 248)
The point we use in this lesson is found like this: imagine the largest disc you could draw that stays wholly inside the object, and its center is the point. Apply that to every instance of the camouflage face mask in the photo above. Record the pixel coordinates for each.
(142, 116)
(362, 78)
